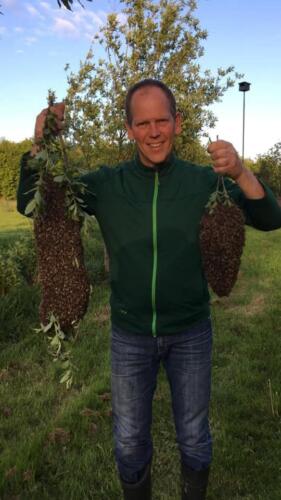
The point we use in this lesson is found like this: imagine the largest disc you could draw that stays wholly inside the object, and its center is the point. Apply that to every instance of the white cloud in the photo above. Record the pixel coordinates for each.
(86, 20)
(98, 19)
(48, 20)
(33, 11)
(9, 3)
(45, 5)
(40, 32)
(19, 51)
(65, 27)
(30, 40)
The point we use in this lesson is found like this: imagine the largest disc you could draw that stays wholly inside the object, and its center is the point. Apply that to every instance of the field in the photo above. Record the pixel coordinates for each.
(57, 443)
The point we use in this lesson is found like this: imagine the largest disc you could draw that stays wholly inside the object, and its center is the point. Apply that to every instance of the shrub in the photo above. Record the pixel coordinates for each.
(17, 264)
(10, 155)
(270, 168)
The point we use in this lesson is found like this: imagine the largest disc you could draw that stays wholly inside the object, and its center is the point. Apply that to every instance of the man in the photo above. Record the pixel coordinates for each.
(149, 210)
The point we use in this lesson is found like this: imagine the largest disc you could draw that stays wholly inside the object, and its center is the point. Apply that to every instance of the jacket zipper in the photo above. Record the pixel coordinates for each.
(154, 268)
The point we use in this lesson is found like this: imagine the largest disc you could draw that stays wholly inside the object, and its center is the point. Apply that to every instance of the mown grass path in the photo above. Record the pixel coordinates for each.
(57, 444)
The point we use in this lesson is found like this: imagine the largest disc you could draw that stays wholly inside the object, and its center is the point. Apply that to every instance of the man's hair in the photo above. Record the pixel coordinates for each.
(149, 82)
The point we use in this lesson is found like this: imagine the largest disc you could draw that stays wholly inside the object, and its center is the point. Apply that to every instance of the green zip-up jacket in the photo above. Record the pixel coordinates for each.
(150, 223)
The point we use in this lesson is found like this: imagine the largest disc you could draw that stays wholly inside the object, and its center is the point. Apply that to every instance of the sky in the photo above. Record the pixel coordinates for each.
(37, 40)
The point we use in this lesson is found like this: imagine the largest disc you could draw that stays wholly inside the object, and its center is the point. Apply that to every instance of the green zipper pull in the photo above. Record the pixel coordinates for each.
(154, 237)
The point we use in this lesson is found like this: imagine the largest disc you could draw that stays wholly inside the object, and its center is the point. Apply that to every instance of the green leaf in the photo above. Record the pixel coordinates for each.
(55, 341)
(30, 207)
(59, 178)
(42, 155)
(38, 197)
(69, 382)
(66, 376)
(66, 364)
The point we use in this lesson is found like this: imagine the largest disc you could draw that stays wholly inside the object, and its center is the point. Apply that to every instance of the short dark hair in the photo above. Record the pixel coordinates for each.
(149, 82)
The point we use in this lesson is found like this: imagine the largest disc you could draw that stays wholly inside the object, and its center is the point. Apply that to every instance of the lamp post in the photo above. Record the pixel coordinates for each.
(243, 87)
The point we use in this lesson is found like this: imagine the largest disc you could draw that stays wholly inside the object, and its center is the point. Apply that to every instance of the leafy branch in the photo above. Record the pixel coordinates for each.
(57, 348)
(68, 3)
(219, 197)
(53, 159)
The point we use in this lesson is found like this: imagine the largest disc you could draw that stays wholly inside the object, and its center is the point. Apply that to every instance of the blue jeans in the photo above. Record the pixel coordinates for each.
(135, 361)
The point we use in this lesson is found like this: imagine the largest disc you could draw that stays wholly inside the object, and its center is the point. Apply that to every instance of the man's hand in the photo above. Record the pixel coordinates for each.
(58, 110)
(225, 159)
(227, 162)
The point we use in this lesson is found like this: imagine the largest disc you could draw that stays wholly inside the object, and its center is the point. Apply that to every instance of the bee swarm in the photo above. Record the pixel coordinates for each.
(222, 237)
(61, 270)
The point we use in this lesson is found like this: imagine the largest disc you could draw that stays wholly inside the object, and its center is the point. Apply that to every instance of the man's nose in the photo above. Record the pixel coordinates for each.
(154, 129)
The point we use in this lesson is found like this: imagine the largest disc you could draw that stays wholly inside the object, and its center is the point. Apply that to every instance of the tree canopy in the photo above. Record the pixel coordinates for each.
(162, 40)
(10, 155)
(270, 168)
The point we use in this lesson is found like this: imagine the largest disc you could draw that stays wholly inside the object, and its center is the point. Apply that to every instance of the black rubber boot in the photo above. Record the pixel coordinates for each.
(140, 490)
(194, 483)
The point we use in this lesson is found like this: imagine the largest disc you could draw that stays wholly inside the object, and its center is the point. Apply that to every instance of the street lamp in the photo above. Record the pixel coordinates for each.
(243, 87)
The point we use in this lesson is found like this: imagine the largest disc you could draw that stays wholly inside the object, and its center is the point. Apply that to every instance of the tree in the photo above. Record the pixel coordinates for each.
(251, 165)
(10, 155)
(147, 39)
(270, 168)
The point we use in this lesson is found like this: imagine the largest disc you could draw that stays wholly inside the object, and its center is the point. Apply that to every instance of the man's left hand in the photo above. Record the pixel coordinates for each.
(225, 159)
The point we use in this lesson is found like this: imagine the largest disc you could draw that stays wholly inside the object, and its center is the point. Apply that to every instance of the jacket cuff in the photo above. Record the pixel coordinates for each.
(265, 212)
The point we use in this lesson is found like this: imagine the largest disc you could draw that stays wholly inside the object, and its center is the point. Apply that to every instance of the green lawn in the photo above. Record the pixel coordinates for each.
(57, 443)
(11, 222)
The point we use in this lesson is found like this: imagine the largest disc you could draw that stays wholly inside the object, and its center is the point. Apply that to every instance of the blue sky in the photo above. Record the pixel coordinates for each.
(37, 39)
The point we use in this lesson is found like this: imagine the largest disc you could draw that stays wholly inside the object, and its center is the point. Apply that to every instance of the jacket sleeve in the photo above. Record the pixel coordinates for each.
(264, 213)
(28, 178)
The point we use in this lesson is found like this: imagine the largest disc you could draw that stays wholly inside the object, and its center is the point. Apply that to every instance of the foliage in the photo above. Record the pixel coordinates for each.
(17, 264)
(53, 159)
(58, 348)
(270, 168)
(162, 40)
(68, 3)
(10, 154)
(251, 165)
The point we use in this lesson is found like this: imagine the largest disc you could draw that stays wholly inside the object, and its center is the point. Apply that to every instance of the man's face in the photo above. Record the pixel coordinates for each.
(153, 127)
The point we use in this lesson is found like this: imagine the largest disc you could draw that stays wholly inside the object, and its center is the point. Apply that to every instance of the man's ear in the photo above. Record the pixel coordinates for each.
(129, 131)
(178, 123)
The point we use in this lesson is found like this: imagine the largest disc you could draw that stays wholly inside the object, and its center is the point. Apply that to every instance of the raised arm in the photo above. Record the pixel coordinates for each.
(227, 162)
(255, 197)
(29, 175)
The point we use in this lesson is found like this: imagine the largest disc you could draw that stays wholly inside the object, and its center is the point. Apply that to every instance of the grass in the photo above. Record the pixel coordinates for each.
(12, 223)
(57, 443)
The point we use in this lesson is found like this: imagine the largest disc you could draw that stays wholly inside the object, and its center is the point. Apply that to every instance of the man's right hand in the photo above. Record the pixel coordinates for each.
(58, 110)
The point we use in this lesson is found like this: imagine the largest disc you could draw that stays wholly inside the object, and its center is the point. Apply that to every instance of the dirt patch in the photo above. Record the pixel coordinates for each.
(7, 205)
(103, 314)
(256, 305)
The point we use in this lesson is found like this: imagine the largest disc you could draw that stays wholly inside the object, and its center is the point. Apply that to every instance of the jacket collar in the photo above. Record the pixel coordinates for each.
(162, 168)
